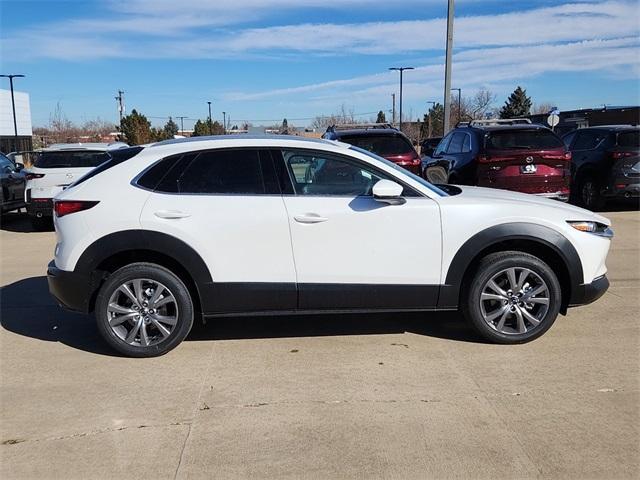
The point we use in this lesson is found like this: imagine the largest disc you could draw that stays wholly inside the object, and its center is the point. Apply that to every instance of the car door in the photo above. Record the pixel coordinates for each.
(350, 250)
(226, 204)
(586, 152)
(12, 183)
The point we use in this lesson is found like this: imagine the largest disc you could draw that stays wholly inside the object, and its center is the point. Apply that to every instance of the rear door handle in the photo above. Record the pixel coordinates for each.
(310, 218)
(171, 214)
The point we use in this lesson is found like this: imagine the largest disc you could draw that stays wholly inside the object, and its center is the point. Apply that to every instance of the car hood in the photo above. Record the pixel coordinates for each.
(507, 196)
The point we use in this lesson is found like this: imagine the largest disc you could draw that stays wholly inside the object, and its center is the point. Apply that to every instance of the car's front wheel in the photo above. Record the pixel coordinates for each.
(512, 297)
(144, 310)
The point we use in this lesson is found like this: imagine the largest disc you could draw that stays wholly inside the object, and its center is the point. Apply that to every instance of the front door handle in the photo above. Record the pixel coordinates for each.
(171, 214)
(310, 218)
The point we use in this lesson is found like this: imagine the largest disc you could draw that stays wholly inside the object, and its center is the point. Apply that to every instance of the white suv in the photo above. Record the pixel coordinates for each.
(206, 227)
(56, 167)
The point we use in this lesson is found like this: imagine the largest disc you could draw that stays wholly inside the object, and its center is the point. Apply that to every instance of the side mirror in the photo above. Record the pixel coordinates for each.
(386, 191)
(427, 152)
(19, 167)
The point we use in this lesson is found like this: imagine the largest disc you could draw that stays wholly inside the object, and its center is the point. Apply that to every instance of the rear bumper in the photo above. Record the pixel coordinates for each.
(589, 292)
(71, 290)
(40, 207)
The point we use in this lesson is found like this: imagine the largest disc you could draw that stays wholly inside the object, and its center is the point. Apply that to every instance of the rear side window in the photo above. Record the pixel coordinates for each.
(588, 140)
(522, 139)
(629, 139)
(70, 159)
(239, 171)
(383, 145)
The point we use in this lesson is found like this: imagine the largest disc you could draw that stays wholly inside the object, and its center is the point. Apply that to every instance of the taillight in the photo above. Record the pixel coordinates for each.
(65, 207)
(557, 156)
(31, 176)
(619, 155)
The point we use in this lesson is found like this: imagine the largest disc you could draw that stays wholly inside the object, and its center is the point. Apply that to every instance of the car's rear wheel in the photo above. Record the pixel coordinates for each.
(588, 192)
(512, 297)
(144, 310)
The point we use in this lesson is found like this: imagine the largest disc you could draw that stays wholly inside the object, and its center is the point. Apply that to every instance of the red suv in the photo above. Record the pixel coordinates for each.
(507, 154)
(381, 139)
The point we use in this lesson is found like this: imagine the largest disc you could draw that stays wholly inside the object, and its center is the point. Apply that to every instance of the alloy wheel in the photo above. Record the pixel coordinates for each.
(142, 312)
(514, 301)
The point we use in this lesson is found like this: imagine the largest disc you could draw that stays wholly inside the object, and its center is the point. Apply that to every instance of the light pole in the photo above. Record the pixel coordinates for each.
(433, 104)
(401, 70)
(210, 126)
(459, 103)
(447, 69)
(224, 123)
(182, 125)
(13, 106)
(393, 115)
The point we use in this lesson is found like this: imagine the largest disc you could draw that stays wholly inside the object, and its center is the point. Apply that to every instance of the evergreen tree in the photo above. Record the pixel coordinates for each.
(381, 117)
(136, 128)
(205, 127)
(170, 128)
(518, 105)
(284, 130)
(435, 119)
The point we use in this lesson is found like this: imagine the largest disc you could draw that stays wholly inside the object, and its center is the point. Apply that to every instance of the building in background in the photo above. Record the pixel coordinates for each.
(591, 117)
(23, 121)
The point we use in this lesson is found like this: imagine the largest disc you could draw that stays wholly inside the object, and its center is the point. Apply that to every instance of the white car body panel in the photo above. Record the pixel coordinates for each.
(245, 239)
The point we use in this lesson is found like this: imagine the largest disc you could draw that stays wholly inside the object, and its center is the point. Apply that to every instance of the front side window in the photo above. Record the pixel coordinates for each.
(318, 173)
(456, 143)
(442, 146)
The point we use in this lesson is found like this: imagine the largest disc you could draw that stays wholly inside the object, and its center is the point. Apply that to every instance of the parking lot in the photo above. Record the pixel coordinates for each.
(380, 396)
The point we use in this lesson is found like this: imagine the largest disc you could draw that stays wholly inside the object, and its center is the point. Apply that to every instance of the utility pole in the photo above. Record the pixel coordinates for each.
(433, 104)
(210, 125)
(447, 69)
(393, 115)
(401, 70)
(459, 103)
(13, 106)
(224, 123)
(120, 100)
(182, 125)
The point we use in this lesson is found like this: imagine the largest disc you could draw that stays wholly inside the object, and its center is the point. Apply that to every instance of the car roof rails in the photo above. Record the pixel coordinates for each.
(495, 121)
(359, 126)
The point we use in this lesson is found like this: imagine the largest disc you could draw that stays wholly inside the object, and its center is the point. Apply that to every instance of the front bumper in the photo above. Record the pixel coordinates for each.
(71, 290)
(589, 292)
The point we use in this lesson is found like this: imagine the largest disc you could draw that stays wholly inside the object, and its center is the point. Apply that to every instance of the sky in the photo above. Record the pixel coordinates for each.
(265, 60)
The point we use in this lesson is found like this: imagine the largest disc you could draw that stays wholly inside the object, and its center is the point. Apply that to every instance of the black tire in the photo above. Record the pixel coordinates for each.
(492, 265)
(588, 192)
(41, 224)
(184, 312)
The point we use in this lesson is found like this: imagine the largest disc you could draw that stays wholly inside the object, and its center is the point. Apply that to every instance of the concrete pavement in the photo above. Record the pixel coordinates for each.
(382, 396)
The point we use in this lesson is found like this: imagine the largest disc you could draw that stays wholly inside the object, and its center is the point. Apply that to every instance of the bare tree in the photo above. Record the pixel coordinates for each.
(482, 102)
(543, 107)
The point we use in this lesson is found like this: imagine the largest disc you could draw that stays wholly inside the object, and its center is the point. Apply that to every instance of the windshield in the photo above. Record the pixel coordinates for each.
(70, 159)
(404, 171)
(521, 139)
(385, 145)
(629, 139)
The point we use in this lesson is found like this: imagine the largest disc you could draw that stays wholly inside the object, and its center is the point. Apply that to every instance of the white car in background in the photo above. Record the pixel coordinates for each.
(235, 225)
(56, 167)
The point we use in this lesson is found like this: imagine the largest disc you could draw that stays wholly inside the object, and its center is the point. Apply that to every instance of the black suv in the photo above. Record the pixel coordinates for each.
(605, 164)
(381, 139)
(507, 154)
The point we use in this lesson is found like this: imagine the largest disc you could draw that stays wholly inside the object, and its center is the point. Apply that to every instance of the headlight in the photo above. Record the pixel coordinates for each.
(592, 227)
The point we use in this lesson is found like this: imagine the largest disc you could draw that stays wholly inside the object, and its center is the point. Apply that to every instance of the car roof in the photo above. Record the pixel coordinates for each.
(366, 132)
(610, 127)
(240, 138)
(58, 147)
(493, 128)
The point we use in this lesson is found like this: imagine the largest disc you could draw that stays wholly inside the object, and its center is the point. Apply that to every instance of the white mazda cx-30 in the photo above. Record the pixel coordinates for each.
(203, 227)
